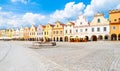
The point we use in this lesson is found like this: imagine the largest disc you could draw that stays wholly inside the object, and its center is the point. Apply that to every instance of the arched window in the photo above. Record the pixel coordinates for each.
(98, 20)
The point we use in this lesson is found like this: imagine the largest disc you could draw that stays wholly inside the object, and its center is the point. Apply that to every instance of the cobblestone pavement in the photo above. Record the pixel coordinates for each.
(90, 56)
(13, 57)
(66, 56)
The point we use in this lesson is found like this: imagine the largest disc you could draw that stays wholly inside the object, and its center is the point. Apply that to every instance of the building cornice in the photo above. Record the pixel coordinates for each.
(114, 11)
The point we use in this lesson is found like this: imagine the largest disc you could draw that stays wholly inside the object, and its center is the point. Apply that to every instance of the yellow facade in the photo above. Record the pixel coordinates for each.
(58, 32)
(26, 33)
(114, 17)
(48, 32)
(7, 33)
(10, 33)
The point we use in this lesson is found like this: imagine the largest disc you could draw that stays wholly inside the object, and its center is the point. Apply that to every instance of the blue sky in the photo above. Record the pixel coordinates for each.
(36, 6)
(17, 13)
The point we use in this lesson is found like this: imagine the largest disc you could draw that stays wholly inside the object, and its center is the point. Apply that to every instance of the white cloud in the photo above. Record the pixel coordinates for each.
(0, 8)
(33, 18)
(22, 1)
(71, 10)
(101, 6)
(118, 6)
(10, 20)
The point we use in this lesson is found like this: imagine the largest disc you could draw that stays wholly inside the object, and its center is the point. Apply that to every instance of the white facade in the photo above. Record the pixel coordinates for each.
(40, 32)
(68, 31)
(21, 33)
(99, 27)
(17, 33)
(81, 28)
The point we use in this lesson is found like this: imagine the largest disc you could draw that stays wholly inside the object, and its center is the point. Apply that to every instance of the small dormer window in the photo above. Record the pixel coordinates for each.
(80, 23)
(114, 27)
(76, 30)
(98, 20)
(115, 19)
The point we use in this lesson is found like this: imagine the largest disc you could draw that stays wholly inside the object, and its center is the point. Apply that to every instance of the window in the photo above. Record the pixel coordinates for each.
(92, 29)
(56, 32)
(98, 20)
(114, 27)
(76, 30)
(80, 30)
(98, 29)
(115, 19)
(47, 33)
(70, 31)
(60, 32)
(104, 29)
(80, 23)
(110, 21)
(86, 30)
(57, 25)
(66, 31)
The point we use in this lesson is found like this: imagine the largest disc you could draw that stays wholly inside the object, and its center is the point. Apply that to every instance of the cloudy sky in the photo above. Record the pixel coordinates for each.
(17, 13)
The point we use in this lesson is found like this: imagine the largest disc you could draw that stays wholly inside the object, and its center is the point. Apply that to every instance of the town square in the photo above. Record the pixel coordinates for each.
(80, 35)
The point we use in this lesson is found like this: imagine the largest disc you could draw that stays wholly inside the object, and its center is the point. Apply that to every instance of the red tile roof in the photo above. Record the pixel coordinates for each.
(52, 25)
(43, 26)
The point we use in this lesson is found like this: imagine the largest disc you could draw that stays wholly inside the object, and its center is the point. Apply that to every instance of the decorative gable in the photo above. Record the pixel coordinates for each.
(99, 20)
(81, 21)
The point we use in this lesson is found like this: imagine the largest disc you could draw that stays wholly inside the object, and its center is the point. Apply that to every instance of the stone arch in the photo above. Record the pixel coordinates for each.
(86, 38)
(71, 39)
(54, 38)
(113, 37)
(57, 39)
(66, 38)
(106, 37)
(77, 39)
(61, 39)
(94, 38)
(100, 37)
(119, 37)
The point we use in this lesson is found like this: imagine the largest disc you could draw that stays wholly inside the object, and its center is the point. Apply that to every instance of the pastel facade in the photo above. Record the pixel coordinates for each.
(26, 33)
(81, 29)
(21, 33)
(7, 33)
(99, 28)
(17, 33)
(13, 34)
(114, 17)
(32, 33)
(58, 32)
(40, 33)
(69, 31)
(48, 32)
(3, 35)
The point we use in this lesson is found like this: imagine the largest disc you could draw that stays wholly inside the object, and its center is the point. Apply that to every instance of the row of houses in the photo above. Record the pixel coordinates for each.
(80, 30)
